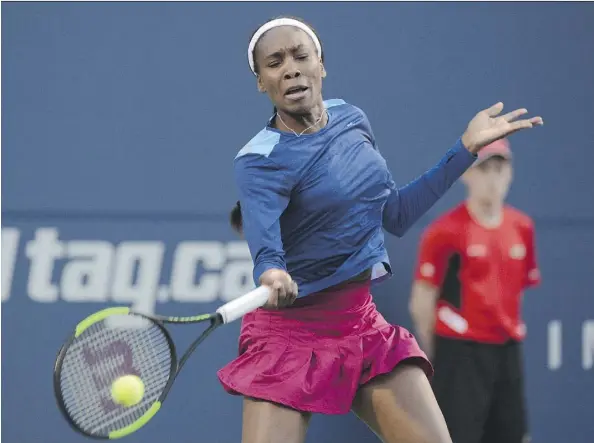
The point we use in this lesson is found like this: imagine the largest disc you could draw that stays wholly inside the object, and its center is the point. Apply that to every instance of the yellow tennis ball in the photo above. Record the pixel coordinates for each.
(127, 390)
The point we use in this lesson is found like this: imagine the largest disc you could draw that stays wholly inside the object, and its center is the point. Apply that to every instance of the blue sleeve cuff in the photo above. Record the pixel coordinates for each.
(459, 159)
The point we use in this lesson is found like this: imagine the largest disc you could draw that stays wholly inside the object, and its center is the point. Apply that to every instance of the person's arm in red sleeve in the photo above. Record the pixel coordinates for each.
(429, 274)
(532, 270)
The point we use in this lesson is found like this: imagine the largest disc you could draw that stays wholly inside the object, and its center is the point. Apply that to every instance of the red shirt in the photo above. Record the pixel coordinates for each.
(481, 273)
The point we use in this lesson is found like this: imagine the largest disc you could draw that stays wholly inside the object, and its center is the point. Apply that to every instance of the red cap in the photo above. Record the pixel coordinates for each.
(499, 148)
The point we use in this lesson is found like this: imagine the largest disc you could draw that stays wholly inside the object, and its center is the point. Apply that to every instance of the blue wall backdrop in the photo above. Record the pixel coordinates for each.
(120, 122)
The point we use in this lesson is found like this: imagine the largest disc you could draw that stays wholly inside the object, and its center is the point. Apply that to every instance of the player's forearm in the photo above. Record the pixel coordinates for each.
(409, 203)
(266, 246)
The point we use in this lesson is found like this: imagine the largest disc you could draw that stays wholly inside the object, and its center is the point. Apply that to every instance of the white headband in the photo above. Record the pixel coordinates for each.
(274, 24)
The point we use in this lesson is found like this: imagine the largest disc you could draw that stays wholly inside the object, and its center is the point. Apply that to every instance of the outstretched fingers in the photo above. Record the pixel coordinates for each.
(526, 123)
(511, 116)
(520, 124)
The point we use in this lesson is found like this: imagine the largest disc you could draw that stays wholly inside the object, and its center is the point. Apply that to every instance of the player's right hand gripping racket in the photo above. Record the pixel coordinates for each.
(116, 342)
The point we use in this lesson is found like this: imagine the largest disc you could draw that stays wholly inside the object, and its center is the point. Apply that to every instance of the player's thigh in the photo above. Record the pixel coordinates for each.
(463, 386)
(265, 422)
(400, 407)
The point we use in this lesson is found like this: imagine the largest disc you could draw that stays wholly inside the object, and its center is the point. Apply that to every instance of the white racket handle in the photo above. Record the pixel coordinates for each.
(249, 302)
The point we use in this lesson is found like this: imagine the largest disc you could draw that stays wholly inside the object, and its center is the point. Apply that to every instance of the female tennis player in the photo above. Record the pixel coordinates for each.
(314, 195)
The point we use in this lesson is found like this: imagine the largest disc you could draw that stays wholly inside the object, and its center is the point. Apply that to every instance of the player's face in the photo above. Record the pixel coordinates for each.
(489, 181)
(289, 69)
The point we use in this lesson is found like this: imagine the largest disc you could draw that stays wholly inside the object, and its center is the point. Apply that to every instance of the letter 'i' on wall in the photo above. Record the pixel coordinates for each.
(554, 346)
(588, 344)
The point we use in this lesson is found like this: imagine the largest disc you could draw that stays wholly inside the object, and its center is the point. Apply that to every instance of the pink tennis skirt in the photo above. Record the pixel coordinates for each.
(314, 355)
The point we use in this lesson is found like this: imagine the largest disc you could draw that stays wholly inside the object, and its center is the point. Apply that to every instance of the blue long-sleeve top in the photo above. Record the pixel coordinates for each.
(315, 205)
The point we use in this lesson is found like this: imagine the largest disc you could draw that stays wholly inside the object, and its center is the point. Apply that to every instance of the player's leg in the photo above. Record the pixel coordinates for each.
(400, 407)
(507, 421)
(265, 422)
(394, 397)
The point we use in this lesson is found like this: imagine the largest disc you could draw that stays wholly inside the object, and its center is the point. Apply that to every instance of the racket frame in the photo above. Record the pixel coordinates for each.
(227, 313)
(215, 319)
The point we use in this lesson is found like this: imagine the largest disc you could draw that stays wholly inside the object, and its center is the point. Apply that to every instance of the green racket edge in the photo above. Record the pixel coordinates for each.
(99, 316)
(122, 310)
(133, 427)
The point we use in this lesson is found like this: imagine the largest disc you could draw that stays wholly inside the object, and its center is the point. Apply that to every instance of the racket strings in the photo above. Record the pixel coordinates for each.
(104, 352)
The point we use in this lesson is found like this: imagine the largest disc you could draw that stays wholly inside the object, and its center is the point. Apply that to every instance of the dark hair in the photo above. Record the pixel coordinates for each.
(235, 218)
(294, 18)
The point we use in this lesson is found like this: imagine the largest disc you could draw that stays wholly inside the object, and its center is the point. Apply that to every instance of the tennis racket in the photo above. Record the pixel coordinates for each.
(118, 341)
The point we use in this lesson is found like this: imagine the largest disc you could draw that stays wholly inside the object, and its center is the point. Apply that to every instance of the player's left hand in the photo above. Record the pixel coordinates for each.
(488, 126)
